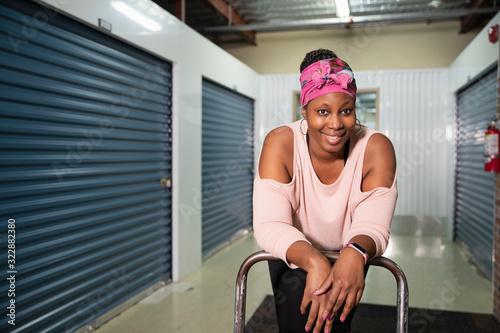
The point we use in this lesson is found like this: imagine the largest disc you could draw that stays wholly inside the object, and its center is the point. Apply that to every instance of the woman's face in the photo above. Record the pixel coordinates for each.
(331, 119)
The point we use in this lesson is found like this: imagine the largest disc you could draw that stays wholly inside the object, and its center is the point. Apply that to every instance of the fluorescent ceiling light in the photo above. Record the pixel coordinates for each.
(136, 16)
(342, 8)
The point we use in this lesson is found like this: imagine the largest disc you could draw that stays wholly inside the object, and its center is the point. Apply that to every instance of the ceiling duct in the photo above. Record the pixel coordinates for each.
(355, 21)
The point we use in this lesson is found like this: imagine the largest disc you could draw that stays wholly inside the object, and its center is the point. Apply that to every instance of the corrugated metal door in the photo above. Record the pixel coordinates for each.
(227, 165)
(85, 140)
(474, 188)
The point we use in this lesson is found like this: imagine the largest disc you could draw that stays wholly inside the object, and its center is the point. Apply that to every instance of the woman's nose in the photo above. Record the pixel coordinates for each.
(335, 122)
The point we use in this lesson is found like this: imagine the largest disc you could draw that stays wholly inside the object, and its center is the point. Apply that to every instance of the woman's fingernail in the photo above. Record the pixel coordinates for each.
(301, 313)
(308, 329)
(325, 316)
(330, 317)
(342, 319)
(315, 291)
(327, 331)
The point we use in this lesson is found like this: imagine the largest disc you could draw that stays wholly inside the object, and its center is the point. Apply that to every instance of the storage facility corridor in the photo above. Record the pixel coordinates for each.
(130, 138)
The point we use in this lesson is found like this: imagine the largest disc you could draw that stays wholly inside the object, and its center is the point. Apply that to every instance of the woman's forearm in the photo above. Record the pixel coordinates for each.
(306, 256)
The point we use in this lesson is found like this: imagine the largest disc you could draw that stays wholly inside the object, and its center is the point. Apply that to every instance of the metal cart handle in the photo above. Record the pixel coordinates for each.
(241, 285)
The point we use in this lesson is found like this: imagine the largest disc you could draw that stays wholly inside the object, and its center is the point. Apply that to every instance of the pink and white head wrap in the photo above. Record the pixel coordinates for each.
(324, 77)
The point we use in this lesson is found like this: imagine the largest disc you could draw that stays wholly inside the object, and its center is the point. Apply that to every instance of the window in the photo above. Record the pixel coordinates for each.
(367, 108)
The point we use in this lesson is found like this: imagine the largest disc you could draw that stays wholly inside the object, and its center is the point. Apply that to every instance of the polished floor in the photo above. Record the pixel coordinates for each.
(439, 276)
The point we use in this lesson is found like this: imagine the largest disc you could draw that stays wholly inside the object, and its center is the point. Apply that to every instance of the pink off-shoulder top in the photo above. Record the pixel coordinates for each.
(326, 216)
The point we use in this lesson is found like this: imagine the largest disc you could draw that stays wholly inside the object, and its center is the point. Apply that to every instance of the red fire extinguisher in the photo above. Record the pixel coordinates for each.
(491, 148)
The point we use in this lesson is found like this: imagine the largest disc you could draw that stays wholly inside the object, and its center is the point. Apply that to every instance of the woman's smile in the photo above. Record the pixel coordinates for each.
(333, 139)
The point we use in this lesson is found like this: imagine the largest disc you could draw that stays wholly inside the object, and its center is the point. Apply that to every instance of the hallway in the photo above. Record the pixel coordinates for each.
(439, 277)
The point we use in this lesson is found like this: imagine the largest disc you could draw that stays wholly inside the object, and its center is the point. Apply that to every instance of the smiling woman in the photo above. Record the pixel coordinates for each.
(323, 183)
(331, 119)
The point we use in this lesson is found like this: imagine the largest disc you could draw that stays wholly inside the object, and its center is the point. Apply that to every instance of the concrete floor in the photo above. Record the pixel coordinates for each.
(438, 273)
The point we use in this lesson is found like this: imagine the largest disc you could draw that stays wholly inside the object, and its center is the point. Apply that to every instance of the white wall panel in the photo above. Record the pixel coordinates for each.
(276, 105)
(478, 55)
(413, 106)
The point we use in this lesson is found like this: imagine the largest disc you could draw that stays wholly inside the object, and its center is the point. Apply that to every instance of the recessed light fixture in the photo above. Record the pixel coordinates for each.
(136, 16)
(342, 8)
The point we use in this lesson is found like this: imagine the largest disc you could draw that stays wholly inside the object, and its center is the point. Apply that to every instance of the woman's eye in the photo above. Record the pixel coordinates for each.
(322, 112)
(347, 111)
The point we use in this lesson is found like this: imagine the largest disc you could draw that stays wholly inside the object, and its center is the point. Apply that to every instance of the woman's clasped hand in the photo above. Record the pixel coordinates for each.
(342, 286)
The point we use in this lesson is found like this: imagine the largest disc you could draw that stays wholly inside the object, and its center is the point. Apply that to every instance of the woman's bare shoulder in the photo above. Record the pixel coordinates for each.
(276, 159)
(282, 136)
(379, 167)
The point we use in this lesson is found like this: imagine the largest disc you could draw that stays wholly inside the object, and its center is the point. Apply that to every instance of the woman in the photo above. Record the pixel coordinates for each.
(323, 183)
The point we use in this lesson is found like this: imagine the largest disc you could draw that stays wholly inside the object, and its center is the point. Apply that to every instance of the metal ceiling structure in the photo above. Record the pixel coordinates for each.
(226, 21)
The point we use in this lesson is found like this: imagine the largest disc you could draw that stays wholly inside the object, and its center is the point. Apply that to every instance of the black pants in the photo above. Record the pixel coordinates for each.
(288, 286)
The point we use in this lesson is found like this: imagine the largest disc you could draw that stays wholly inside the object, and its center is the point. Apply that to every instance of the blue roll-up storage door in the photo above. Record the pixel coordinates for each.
(474, 188)
(227, 165)
(85, 142)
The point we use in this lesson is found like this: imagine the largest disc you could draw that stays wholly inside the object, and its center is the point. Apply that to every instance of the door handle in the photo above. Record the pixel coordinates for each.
(167, 182)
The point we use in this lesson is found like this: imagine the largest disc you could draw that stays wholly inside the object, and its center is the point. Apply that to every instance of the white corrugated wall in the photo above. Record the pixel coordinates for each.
(413, 112)
(276, 104)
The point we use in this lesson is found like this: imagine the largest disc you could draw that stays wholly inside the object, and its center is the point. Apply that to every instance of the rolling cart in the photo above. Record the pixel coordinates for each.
(241, 285)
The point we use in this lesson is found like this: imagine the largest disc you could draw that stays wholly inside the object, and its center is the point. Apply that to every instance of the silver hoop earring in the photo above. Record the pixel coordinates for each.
(300, 128)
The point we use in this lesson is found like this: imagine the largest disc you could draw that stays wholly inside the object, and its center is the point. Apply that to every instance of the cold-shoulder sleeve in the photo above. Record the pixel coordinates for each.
(272, 218)
(372, 216)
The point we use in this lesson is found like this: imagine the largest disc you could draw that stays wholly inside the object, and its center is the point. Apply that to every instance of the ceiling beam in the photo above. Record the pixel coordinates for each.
(467, 22)
(180, 10)
(356, 21)
(233, 17)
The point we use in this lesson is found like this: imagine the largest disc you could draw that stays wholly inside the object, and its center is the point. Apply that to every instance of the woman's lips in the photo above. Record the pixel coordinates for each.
(333, 139)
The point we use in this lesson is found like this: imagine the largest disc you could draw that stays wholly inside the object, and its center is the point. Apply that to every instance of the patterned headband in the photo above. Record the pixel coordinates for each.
(324, 77)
